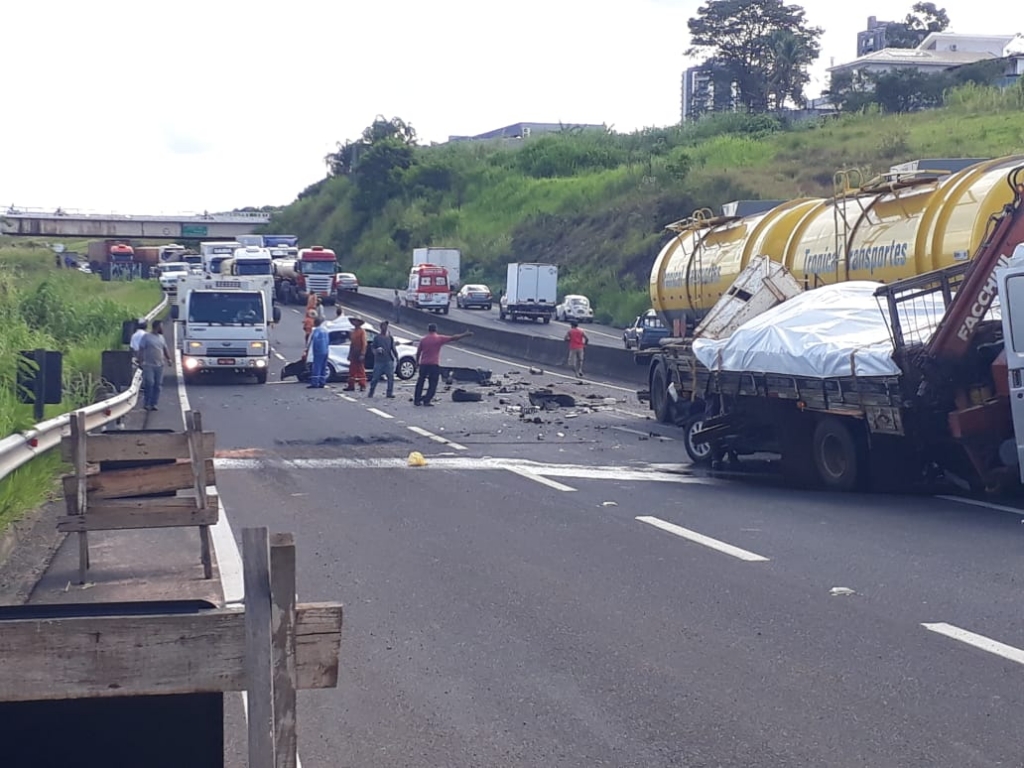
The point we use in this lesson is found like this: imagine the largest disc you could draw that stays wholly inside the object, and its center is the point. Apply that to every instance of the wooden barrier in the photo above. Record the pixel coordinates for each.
(270, 649)
(124, 481)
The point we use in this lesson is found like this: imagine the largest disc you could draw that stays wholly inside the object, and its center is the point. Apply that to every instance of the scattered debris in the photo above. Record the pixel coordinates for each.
(560, 434)
(841, 591)
(416, 459)
(536, 371)
(609, 504)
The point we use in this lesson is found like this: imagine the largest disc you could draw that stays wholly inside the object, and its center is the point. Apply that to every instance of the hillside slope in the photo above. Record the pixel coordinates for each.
(596, 205)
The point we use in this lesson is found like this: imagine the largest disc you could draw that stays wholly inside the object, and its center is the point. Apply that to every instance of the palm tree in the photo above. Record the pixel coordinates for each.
(787, 75)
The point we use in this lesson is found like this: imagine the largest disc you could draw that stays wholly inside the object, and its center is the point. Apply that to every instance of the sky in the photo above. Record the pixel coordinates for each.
(189, 106)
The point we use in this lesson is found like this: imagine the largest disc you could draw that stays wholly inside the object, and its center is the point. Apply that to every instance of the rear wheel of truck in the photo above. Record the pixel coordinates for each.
(698, 453)
(660, 403)
(836, 455)
(547, 320)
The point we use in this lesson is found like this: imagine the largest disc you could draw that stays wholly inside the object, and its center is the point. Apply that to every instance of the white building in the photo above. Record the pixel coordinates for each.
(936, 53)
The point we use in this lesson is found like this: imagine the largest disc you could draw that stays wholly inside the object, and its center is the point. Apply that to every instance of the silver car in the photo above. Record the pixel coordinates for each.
(337, 355)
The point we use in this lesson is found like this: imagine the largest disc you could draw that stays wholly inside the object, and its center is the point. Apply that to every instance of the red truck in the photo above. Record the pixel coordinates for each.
(314, 270)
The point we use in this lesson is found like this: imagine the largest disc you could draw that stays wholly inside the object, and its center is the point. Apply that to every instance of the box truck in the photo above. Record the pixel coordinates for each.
(449, 258)
(531, 290)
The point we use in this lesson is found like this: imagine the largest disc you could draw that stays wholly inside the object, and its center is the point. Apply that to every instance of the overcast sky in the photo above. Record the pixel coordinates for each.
(147, 107)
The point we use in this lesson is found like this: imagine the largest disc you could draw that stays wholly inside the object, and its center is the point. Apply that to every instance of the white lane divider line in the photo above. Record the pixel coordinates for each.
(380, 413)
(437, 438)
(345, 397)
(983, 504)
(540, 479)
(978, 641)
(700, 538)
(279, 356)
(654, 436)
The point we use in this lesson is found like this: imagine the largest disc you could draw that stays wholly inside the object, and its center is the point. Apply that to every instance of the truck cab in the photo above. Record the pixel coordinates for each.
(247, 261)
(317, 272)
(428, 288)
(216, 252)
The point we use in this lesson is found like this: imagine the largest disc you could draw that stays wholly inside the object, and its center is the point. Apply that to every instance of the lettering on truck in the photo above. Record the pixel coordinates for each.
(981, 303)
(867, 258)
(708, 275)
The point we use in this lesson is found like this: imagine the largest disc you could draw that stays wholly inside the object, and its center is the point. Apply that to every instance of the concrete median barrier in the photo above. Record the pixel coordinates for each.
(599, 361)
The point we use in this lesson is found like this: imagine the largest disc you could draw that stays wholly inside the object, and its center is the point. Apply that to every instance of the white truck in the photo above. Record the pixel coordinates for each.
(531, 291)
(248, 261)
(449, 258)
(223, 324)
(214, 253)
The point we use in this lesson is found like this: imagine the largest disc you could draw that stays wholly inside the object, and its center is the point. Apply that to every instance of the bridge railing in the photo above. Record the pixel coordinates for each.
(22, 212)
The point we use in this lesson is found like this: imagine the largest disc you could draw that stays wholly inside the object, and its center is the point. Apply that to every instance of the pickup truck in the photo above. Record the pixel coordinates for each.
(646, 331)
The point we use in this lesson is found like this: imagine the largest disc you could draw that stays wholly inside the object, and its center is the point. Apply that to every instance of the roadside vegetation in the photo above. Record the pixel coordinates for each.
(42, 307)
(596, 203)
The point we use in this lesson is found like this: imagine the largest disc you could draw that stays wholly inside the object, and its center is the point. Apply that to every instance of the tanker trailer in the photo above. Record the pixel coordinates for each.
(896, 226)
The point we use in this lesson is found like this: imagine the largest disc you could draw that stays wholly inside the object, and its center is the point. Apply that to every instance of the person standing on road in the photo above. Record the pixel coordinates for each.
(319, 345)
(356, 356)
(308, 322)
(153, 354)
(577, 341)
(428, 358)
(397, 304)
(384, 358)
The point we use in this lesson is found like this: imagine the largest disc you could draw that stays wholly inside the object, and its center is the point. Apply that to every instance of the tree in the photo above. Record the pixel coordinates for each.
(343, 161)
(908, 90)
(923, 19)
(763, 46)
(380, 174)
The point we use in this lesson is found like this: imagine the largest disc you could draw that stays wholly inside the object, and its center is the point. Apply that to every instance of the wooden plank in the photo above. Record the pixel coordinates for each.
(103, 656)
(282, 593)
(258, 647)
(133, 519)
(79, 436)
(138, 481)
(114, 446)
(201, 479)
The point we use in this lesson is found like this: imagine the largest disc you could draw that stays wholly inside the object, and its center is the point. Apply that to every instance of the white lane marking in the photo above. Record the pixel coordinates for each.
(345, 397)
(229, 559)
(642, 434)
(529, 475)
(279, 356)
(297, 312)
(437, 438)
(403, 333)
(978, 641)
(984, 504)
(700, 538)
(380, 413)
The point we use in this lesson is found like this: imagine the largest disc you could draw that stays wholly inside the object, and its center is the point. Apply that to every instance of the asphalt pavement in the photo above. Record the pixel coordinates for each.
(601, 335)
(558, 587)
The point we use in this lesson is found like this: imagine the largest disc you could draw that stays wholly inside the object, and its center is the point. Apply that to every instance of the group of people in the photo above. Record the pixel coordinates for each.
(149, 349)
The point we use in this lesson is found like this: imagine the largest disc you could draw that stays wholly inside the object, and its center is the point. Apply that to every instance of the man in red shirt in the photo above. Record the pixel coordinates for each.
(428, 358)
(577, 341)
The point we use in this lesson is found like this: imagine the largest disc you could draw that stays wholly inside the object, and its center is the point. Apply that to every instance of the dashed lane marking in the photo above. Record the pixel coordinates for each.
(343, 396)
(651, 435)
(540, 479)
(700, 538)
(437, 438)
(279, 356)
(978, 641)
(380, 413)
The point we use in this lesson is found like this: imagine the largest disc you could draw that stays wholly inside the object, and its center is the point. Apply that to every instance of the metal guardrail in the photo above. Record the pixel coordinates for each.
(20, 448)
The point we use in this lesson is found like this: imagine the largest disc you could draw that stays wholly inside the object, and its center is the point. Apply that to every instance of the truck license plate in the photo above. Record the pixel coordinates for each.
(225, 361)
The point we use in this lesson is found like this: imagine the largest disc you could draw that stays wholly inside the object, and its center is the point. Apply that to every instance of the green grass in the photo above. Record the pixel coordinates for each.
(77, 314)
(597, 205)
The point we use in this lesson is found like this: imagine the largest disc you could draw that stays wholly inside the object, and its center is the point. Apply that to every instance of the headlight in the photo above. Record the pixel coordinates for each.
(190, 363)
(256, 345)
(195, 345)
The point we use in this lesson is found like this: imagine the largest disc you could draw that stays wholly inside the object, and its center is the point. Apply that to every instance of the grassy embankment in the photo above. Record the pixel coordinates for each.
(45, 308)
(596, 206)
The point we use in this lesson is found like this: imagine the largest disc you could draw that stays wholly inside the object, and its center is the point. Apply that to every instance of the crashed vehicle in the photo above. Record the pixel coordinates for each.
(337, 354)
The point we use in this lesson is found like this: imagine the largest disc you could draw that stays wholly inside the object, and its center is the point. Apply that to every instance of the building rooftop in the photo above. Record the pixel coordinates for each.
(521, 130)
(909, 57)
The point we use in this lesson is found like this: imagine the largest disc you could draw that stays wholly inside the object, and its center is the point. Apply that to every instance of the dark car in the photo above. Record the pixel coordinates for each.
(646, 331)
(473, 296)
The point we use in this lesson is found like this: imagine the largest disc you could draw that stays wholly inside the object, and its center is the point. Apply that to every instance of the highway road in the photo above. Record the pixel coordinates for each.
(569, 593)
(603, 335)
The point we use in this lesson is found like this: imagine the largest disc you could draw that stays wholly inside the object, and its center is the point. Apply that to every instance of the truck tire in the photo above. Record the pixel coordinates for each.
(836, 455)
(444, 311)
(699, 454)
(261, 377)
(547, 319)
(660, 402)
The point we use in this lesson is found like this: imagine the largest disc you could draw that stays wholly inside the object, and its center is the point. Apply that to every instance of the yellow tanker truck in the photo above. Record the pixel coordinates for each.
(906, 223)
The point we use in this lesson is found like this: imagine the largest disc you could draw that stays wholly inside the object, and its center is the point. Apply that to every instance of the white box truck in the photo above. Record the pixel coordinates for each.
(449, 258)
(531, 290)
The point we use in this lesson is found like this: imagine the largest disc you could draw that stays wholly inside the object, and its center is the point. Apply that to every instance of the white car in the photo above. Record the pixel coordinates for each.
(337, 356)
(575, 307)
(169, 274)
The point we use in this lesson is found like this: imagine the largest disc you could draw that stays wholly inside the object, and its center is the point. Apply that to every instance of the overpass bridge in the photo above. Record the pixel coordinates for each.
(69, 223)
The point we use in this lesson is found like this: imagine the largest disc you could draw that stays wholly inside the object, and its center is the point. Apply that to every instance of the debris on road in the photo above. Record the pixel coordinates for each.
(841, 591)
(416, 459)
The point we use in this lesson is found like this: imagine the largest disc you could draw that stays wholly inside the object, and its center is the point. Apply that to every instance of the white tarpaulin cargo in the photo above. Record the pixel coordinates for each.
(836, 330)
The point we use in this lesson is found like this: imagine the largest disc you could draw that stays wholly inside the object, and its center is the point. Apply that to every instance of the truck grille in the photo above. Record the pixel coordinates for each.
(227, 351)
(319, 283)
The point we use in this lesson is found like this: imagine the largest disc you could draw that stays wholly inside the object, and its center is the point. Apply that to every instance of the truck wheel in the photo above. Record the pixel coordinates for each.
(444, 311)
(547, 320)
(699, 454)
(660, 402)
(836, 455)
(261, 377)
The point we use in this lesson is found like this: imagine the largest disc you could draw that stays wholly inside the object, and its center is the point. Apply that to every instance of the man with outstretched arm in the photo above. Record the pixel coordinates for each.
(428, 358)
